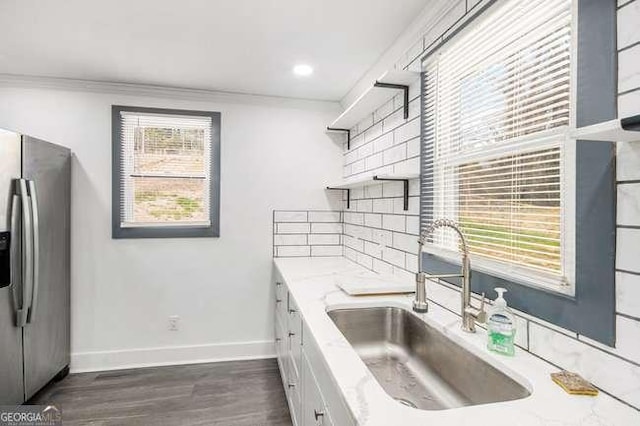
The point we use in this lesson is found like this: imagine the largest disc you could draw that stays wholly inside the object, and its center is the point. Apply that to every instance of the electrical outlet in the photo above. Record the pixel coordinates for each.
(174, 323)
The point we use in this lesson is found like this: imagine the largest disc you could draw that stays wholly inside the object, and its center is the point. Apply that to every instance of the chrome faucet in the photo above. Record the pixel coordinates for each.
(470, 315)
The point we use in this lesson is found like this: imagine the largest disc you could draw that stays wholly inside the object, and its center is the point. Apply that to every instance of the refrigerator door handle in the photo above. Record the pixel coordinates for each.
(13, 250)
(27, 276)
(35, 250)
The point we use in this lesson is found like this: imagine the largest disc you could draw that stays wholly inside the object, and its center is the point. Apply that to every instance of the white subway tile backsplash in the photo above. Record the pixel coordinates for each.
(350, 253)
(392, 189)
(413, 147)
(382, 237)
(393, 256)
(394, 222)
(292, 216)
(373, 249)
(354, 218)
(627, 340)
(364, 260)
(326, 228)
(628, 294)
(411, 262)
(292, 228)
(628, 159)
(407, 167)
(324, 239)
(395, 154)
(364, 205)
(394, 120)
(628, 204)
(627, 244)
(383, 142)
(413, 225)
(383, 205)
(373, 220)
(290, 240)
(373, 191)
(326, 251)
(318, 216)
(365, 150)
(293, 251)
(610, 373)
(382, 267)
(405, 242)
(628, 28)
(351, 156)
(414, 206)
(373, 162)
(407, 131)
(629, 69)
(353, 243)
(373, 132)
(383, 111)
(357, 167)
(629, 104)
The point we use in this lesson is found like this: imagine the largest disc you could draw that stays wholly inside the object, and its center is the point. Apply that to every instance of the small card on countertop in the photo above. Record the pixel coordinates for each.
(371, 283)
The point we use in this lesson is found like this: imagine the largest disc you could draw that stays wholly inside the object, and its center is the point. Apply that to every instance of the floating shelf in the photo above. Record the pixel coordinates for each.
(385, 88)
(347, 185)
(619, 130)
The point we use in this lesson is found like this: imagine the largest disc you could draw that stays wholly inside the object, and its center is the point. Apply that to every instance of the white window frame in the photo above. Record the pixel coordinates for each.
(512, 271)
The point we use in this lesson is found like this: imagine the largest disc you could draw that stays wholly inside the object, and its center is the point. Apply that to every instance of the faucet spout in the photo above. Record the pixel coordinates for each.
(470, 315)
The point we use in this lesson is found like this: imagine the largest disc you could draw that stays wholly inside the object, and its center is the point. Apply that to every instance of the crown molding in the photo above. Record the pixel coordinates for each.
(181, 93)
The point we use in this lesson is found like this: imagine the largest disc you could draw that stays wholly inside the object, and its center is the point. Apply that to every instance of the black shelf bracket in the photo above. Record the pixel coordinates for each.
(397, 87)
(347, 131)
(343, 189)
(406, 188)
(631, 123)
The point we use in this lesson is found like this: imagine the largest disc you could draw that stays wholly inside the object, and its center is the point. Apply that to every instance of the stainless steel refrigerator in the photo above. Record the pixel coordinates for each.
(34, 265)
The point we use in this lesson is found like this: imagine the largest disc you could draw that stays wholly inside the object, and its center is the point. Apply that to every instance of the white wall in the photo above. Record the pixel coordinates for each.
(274, 155)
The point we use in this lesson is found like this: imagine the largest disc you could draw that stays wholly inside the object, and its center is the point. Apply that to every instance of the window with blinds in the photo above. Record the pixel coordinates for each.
(496, 109)
(165, 170)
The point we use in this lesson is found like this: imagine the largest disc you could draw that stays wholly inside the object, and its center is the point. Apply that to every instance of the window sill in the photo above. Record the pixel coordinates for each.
(513, 273)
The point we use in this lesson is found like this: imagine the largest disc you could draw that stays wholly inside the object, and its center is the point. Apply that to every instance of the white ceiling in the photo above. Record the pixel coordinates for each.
(245, 46)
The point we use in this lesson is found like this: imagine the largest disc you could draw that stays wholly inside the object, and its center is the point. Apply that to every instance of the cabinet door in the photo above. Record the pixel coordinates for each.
(294, 326)
(314, 410)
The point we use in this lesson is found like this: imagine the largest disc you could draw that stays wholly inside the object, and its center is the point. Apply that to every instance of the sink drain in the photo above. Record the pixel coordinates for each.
(406, 402)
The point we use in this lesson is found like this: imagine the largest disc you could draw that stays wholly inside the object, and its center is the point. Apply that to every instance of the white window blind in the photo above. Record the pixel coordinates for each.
(496, 110)
(165, 170)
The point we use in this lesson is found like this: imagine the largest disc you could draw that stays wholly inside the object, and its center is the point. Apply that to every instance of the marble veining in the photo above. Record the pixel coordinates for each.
(312, 283)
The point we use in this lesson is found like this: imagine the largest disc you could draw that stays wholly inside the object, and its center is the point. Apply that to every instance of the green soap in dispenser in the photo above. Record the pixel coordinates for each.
(501, 326)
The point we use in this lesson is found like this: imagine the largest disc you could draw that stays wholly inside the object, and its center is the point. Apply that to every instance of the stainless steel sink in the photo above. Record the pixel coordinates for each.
(417, 365)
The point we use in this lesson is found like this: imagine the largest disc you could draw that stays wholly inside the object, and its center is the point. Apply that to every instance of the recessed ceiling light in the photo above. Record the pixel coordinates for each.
(303, 70)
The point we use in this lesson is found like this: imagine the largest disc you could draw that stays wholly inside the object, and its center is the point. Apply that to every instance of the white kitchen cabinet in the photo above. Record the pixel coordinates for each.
(314, 409)
(312, 398)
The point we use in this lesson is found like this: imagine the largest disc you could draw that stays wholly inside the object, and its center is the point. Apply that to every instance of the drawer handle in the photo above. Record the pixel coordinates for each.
(292, 311)
(278, 339)
(317, 414)
(278, 300)
(278, 284)
(292, 385)
(291, 333)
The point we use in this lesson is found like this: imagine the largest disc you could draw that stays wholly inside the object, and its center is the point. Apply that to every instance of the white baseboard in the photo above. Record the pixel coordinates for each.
(174, 355)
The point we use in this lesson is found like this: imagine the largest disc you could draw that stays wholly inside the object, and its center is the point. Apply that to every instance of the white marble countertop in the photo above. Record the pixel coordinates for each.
(312, 283)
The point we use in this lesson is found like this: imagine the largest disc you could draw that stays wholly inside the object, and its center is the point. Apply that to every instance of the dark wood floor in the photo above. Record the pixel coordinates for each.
(239, 393)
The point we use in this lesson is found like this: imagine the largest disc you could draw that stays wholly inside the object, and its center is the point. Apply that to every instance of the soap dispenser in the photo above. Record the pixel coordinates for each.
(501, 326)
